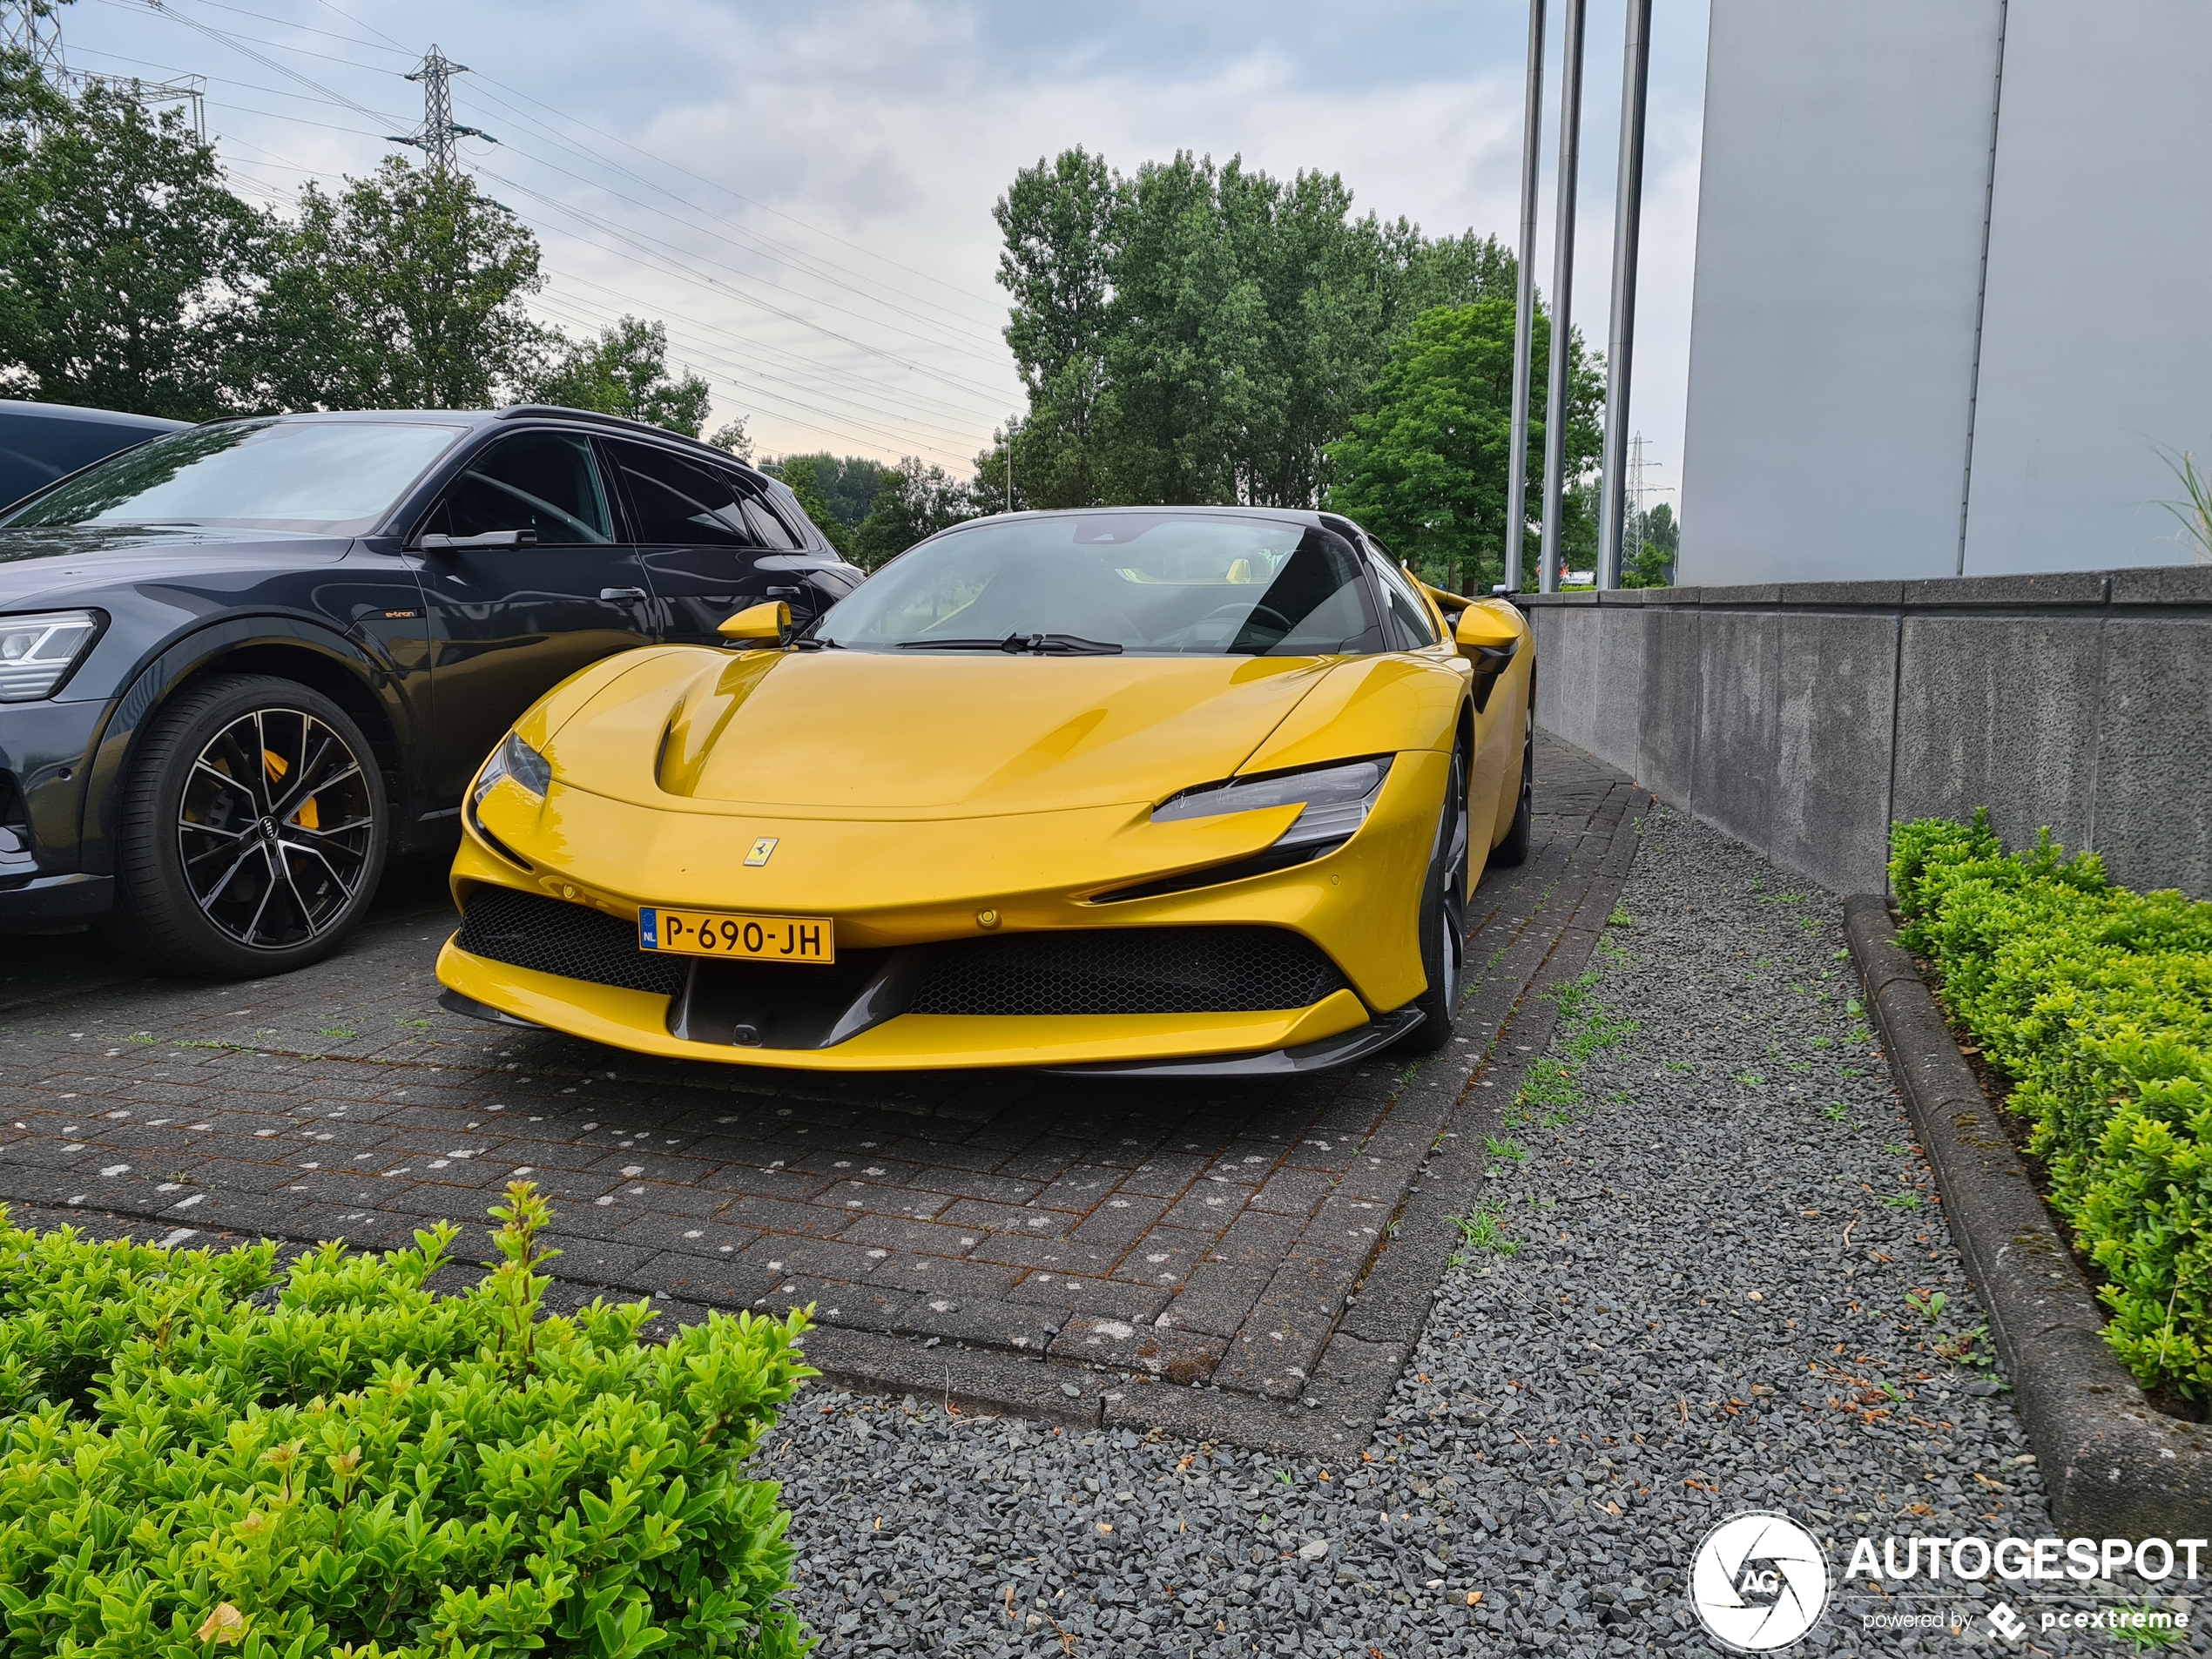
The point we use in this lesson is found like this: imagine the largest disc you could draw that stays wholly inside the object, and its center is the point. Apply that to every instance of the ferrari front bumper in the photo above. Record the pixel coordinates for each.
(1341, 928)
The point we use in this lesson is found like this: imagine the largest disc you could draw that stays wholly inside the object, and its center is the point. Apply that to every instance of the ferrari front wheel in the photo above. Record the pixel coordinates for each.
(1444, 917)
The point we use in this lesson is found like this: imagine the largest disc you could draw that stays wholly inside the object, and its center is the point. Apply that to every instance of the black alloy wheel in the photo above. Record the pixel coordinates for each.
(253, 827)
(1444, 919)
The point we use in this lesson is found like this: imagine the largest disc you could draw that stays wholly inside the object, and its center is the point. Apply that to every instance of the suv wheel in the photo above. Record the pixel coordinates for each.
(253, 826)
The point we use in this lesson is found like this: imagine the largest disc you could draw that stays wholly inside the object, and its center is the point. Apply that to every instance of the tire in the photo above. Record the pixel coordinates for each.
(1444, 917)
(224, 870)
(1514, 848)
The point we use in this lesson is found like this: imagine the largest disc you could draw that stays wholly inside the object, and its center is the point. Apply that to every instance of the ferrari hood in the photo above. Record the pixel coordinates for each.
(855, 731)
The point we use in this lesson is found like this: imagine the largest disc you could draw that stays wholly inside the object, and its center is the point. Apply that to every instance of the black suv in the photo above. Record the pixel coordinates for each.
(240, 663)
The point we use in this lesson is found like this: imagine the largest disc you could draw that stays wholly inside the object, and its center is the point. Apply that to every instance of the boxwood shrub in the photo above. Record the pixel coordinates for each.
(207, 1453)
(2097, 1002)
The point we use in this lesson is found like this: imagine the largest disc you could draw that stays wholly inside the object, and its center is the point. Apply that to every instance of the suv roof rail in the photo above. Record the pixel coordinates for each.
(559, 411)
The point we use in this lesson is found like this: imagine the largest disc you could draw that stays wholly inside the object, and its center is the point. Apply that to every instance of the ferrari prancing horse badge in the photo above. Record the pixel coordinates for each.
(761, 849)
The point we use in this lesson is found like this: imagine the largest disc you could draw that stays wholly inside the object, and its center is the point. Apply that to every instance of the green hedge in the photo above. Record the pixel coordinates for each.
(2097, 1002)
(204, 1453)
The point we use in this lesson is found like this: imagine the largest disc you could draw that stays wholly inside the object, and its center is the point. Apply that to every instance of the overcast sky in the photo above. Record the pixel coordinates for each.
(803, 194)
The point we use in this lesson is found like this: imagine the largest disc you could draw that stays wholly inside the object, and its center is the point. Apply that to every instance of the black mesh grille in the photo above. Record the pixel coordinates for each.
(526, 931)
(1134, 970)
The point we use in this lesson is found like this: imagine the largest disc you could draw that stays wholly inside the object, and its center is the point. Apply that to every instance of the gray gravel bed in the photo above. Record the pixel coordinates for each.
(1711, 1274)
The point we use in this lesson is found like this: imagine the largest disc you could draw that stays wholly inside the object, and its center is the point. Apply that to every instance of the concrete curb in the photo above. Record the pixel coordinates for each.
(2113, 1465)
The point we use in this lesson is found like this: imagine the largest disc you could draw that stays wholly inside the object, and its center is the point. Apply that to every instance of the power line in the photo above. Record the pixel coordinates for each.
(950, 379)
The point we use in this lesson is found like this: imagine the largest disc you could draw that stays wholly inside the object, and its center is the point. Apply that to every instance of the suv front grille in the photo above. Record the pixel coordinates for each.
(1132, 970)
(526, 931)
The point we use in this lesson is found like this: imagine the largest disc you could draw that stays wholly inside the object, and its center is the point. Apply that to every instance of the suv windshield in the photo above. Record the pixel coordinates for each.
(1195, 584)
(336, 477)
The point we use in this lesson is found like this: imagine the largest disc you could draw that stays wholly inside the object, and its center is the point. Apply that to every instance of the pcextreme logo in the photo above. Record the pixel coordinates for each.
(1758, 1581)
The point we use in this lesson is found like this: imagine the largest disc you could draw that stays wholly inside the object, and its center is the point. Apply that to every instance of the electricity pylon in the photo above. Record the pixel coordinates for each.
(435, 138)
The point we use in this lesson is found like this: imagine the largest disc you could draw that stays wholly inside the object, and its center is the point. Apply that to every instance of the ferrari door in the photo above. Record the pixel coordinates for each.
(526, 584)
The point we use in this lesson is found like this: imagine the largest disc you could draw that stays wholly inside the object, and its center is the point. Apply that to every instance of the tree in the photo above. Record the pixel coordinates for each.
(1200, 332)
(403, 291)
(623, 371)
(1426, 469)
(802, 474)
(1058, 222)
(913, 501)
(849, 484)
(1653, 564)
(127, 267)
(732, 436)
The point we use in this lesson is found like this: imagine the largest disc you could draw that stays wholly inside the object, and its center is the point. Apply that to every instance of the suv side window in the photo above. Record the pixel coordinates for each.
(768, 528)
(678, 500)
(1409, 622)
(543, 482)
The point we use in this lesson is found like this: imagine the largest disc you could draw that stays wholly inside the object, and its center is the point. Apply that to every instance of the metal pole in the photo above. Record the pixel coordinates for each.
(1570, 133)
(1524, 314)
(1620, 337)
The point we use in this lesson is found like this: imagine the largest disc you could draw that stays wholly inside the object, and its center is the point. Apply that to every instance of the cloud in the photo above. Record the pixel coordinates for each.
(838, 162)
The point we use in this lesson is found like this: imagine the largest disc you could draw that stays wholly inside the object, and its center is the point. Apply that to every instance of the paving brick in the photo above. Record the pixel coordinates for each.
(1016, 1325)
(1112, 1298)
(1293, 1192)
(1119, 1220)
(1165, 1256)
(1176, 1356)
(1209, 1206)
(1021, 1219)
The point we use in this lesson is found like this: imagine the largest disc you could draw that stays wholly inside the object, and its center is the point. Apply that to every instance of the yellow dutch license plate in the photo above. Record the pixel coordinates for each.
(756, 939)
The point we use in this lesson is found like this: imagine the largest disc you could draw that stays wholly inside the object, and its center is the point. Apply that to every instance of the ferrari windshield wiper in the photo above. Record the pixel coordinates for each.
(1033, 644)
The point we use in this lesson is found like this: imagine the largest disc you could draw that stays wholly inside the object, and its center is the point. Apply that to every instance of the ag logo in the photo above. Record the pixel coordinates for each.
(1758, 1581)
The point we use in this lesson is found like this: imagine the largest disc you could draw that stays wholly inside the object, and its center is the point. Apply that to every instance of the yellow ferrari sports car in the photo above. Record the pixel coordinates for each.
(1196, 791)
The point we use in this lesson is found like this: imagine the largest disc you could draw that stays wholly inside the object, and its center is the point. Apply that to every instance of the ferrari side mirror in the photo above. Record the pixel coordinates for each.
(768, 624)
(1482, 629)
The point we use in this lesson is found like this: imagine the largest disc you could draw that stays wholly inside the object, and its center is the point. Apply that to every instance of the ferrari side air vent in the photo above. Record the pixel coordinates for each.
(526, 931)
(1128, 970)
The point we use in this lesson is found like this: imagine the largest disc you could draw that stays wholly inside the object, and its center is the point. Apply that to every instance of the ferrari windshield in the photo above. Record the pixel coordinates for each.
(329, 477)
(1079, 583)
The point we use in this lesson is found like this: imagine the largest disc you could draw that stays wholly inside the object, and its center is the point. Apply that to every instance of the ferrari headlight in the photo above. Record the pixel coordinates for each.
(1337, 800)
(36, 652)
(517, 759)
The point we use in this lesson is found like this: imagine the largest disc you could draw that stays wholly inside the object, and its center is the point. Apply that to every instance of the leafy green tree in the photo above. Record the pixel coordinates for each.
(1201, 332)
(404, 290)
(1058, 221)
(1426, 469)
(127, 267)
(1653, 564)
(731, 436)
(625, 371)
(803, 473)
(849, 483)
(913, 501)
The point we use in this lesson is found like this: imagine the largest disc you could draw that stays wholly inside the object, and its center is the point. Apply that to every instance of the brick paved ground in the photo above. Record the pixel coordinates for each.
(1214, 1256)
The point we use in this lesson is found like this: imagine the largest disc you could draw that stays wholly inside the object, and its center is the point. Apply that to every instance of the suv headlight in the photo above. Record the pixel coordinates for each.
(517, 759)
(1337, 800)
(36, 652)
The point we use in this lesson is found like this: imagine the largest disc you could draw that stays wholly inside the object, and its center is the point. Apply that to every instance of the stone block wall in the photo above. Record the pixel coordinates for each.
(1804, 717)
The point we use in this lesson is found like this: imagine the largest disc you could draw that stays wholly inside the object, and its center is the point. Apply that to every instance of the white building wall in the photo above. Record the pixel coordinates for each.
(2096, 348)
(1834, 404)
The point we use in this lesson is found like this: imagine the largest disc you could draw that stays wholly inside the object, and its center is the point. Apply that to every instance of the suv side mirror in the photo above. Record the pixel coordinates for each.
(768, 624)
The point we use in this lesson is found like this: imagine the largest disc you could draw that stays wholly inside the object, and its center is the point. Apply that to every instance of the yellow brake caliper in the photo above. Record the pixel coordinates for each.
(307, 817)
